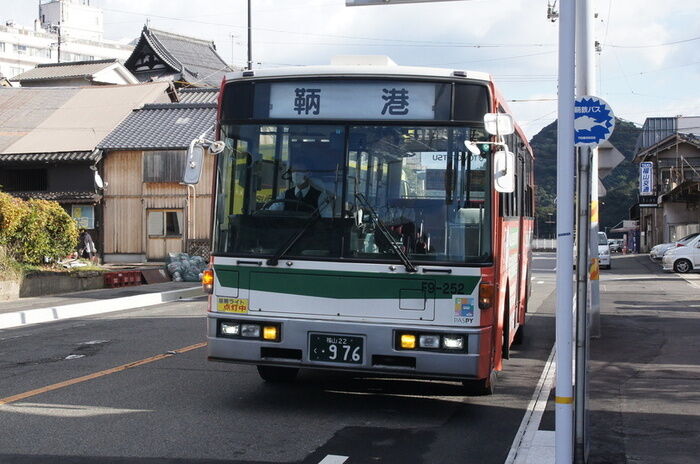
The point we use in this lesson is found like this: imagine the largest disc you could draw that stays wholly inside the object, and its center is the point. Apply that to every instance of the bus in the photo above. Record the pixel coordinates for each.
(370, 218)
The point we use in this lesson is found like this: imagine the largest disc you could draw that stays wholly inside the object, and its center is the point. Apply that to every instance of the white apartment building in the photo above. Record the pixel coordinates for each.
(80, 27)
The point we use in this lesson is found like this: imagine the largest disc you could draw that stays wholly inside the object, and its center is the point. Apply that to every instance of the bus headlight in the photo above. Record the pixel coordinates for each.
(250, 330)
(230, 328)
(453, 342)
(429, 341)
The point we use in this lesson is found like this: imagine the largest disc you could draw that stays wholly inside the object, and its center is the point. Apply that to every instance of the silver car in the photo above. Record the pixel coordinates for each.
(657, 253)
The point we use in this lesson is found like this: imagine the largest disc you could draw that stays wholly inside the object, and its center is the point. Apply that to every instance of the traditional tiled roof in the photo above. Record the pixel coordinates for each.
(61, 197)
(199, 95)
(170, 126)
(67, 156)
(186, 59)
(74, 69)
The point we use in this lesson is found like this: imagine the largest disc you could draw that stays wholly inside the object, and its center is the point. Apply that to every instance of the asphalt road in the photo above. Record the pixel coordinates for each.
(175, 407)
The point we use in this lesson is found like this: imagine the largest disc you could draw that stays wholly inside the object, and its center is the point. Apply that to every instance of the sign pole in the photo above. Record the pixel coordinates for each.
(564, 398)
(586, 85)
(582, 241)
(587, 234)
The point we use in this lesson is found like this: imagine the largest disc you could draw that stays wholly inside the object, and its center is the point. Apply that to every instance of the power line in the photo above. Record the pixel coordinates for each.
(692, 39)
(311, 34)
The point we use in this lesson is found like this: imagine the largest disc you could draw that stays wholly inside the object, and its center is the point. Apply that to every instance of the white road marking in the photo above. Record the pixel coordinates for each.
(334, 459)
(540, 281)
(690, 280)
(64, 410)
(523, 447)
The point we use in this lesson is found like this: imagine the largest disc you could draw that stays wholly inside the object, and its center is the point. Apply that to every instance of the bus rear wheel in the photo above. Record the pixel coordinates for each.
(480, 387)
(276, 374)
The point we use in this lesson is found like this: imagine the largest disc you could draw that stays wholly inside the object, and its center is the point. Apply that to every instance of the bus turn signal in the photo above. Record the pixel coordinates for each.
(486, 294)
(208, 281)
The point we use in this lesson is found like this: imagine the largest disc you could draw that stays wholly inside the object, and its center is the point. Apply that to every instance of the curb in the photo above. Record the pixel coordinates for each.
(89, 308)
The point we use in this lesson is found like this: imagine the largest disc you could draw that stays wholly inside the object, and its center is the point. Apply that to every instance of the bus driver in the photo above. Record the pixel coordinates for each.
(302, 196)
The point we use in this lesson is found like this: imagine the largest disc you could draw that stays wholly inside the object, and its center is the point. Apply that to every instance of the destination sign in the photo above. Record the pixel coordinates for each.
(356, 100)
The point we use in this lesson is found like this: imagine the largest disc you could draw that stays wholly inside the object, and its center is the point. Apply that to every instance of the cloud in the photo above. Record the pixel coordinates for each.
(511, 39)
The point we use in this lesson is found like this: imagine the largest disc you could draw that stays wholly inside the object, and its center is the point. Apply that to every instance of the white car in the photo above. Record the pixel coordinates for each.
(604, 251)
(683, 258)
(658, 251)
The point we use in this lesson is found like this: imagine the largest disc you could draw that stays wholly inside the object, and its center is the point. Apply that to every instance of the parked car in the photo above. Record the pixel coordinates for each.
(604, 251)
(683, 258)
(658, 251)
(615, 245)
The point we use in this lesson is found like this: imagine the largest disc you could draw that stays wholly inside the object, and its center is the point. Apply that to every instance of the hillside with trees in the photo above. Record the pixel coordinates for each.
(621, 184)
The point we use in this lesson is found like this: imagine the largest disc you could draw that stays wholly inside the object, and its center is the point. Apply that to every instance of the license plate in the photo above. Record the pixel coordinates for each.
(336, 348)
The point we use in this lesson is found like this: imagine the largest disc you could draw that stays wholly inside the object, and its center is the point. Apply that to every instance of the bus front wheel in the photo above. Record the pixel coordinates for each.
(480, 387)
(276, 374)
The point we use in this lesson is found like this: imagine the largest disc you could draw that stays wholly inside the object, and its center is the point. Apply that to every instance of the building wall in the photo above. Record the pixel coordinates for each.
(23, 48)
(128, 200)
(679, 219)
(78, 18)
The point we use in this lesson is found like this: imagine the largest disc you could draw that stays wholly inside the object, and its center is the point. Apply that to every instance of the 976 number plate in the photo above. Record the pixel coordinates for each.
(336, 348)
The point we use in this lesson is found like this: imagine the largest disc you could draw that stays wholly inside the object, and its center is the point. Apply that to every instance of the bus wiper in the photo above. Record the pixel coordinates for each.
(295, 237)
(385, 232)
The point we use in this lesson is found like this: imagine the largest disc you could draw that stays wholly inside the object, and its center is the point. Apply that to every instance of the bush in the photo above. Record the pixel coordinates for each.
(36, 229)
(9, 269)
(12, 210)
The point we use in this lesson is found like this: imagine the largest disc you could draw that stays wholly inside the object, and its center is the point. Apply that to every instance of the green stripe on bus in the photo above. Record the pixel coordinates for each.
(343, 284)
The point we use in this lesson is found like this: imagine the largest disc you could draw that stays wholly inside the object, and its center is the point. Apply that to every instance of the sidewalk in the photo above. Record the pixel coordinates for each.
(34, 310)
(644, 374)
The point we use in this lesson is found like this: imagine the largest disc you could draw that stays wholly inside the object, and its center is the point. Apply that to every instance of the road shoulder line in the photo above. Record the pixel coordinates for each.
(90, 308)
(524, 441)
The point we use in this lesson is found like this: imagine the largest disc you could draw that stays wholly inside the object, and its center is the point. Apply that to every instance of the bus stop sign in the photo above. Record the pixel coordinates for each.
(594, 121)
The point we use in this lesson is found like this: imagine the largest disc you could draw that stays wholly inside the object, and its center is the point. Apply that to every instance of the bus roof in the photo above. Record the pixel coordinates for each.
(354, 66)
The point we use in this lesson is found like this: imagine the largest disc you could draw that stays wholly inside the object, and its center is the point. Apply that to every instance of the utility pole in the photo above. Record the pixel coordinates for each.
(60, 26)
(564, 399)
(250, 39)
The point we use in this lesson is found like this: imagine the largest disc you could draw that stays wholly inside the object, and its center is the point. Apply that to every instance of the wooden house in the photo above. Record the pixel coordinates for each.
(148, 213)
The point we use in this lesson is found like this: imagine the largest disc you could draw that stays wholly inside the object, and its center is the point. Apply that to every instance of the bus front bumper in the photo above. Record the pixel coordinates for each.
(379, 351)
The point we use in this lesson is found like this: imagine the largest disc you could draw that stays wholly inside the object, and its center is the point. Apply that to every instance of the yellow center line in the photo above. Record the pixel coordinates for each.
(85, 378)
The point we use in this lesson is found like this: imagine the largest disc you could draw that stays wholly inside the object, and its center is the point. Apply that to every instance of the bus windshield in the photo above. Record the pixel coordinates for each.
(353, 192)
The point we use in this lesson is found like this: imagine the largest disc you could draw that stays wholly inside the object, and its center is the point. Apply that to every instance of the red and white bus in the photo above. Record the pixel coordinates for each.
(372, 218)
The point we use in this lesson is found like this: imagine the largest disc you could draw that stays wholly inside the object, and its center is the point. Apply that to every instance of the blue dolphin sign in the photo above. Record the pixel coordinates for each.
(594, 121)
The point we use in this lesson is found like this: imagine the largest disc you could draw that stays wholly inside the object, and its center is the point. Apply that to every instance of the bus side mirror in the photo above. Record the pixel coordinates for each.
(504, 171)
(499, 124)
(195, 158)
(193, 163)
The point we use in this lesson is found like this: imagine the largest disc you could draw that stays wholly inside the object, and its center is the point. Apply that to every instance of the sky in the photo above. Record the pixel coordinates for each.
(648, 64)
